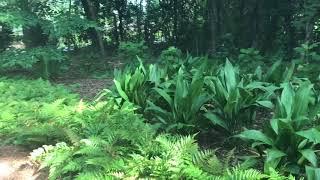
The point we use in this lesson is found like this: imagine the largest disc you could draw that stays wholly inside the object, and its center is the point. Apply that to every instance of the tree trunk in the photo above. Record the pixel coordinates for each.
(96, 36)
(212, 18)
(139, 19)
(255, 25)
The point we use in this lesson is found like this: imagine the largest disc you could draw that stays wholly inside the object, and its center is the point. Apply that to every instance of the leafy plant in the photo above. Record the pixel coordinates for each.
(102, 137)
(5, 36)
(135, 86)
(130, 50)
(235, 101)
(46, 61)
(277, 74)
(308, 52)
(250, 58)
(182, 103)
(307, 61)
(290, 141)
(32, 110)
(172, 55)
(250, 55)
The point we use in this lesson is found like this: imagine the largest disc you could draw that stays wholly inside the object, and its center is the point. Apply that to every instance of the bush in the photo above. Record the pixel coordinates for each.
(235, 100)
(130, 50)
(45, 61)
(291, 139)
(179, 103)
(5, 36)
(32, 109)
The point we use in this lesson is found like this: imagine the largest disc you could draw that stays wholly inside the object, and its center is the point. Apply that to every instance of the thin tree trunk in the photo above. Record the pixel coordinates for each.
(91, 14)
(255, 24)
(212, 23)
(139, 19)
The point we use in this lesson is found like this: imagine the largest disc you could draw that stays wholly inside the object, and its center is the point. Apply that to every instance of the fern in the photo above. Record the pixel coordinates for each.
(239, 174)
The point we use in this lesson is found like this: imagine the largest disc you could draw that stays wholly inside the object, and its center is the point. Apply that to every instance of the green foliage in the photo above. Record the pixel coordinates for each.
(290, 141)
(103, 137)
(130, 50)
(46, 61)
(66, 25)
(135, 85)
(5, 36)
(32, 110)
(182, 103)
(308, 52)
(307, 61)
(249, 59)
(16, 18)
(278, 73)
(235, 101)
(172, 55)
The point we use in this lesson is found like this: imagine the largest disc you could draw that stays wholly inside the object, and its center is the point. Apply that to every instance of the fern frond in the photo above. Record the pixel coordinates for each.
(92, 175)
(240, 174)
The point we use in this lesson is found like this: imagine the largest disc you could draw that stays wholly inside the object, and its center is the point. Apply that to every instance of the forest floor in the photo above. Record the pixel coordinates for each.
(16, 165)
(87, 88)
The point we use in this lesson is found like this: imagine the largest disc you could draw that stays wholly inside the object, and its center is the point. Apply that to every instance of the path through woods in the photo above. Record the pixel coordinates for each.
(16, 165)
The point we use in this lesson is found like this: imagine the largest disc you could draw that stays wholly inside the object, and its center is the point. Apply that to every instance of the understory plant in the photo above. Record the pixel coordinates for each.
(102, 137)
(235, 100)
(178, 108)
(291, 140)
(135, 85)
(129, 50)
(31, 111)
(278, 73)
(43, 61)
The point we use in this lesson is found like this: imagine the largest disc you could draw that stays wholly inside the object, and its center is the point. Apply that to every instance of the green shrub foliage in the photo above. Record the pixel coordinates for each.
(291, 139)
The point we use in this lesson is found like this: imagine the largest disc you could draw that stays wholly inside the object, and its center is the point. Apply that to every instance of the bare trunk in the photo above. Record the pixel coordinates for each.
(92, 16)
(212, 22)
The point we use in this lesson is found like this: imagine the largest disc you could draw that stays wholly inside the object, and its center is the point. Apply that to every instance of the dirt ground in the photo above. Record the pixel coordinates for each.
(86, 88)
(16, 165)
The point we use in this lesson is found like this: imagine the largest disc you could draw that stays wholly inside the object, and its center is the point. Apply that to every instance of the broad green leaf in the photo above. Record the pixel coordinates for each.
(267, 104)
(256, 135)
(312, 173)
(120, 91)
(310, 156)
(302, 144)
(312, 135)
(273, 158)
(165, 96)
(273, 72)
(199, 102)
(288, 73)
(216, 120)
(274, 125)
(258, 72)
(230, 76)
(303, 97)
(287, 98)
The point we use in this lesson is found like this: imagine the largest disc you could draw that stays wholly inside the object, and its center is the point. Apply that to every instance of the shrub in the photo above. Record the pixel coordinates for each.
(290, 141)
(135, 85)
(235, 101)
(308, 52)
(183, 100)
(130, 50)
(278, 73)
(5, 36)
(32, 110)
(171, 55)
(45, 61)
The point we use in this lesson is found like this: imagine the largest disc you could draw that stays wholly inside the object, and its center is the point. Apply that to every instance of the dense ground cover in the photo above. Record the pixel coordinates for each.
(149, 123)
(102, 139)
(161, 89)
